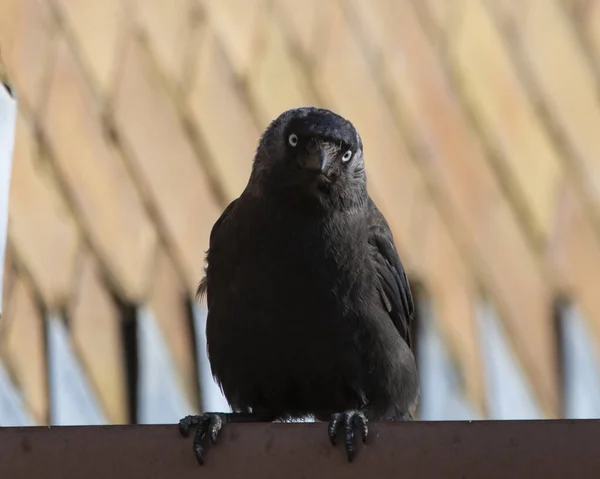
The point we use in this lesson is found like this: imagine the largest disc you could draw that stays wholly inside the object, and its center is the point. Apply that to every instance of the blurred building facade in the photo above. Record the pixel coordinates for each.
(137, 125)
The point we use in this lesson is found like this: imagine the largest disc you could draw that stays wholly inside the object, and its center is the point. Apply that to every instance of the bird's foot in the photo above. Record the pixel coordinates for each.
(210, 423)
(350, 421)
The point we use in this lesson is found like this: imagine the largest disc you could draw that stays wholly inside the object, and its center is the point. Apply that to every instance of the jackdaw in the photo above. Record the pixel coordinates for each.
(309, 306)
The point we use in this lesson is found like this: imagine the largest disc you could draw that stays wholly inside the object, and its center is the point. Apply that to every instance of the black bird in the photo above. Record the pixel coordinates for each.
(309, 306)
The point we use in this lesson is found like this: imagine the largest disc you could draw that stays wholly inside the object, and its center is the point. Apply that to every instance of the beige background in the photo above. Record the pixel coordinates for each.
(138, 122)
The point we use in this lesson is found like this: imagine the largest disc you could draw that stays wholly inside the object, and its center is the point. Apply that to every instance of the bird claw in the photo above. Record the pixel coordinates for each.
(350, 420)
(210, 423)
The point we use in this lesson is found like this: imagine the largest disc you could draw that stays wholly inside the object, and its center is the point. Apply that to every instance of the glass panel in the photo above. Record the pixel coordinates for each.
(212, 397)
(442, 396)
(72, 398)
(8, 115)
(581, 366)
(161, 399)
(508, 390)
(13, 411)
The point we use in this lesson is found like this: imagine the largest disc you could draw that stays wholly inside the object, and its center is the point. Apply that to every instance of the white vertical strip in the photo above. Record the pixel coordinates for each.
(510, 395)
(581, 366)
(213, 399)
(442, 395)
(72, 398)
(13, 411)
(8, 119)
(161, 399)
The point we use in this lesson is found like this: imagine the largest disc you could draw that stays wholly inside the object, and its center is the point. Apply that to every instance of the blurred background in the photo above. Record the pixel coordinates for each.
(137, 124)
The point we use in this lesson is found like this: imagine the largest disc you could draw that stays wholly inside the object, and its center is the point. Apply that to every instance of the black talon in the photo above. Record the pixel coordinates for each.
(210, 423)
(352, 420)
(187, 422)
(197, 444)
(334, 424)
(349, 436)
(215, 427)
(360, 421)
(207, 423)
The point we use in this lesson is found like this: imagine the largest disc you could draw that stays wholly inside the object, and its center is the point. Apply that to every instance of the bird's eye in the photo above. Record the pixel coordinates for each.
(293, 139)
(347, 156)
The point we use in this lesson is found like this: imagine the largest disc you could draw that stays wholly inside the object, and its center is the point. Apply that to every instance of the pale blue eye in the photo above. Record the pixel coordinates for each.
(347, 156)
(293, 139)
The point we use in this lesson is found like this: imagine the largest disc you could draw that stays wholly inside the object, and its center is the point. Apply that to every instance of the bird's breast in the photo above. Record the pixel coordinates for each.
(288, 267)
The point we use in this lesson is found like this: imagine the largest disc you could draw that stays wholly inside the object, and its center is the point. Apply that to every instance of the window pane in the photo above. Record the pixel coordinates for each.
(160, 397)
(508, 390)
(442, 396)
(13, 411)
(581, 366)
(8, 114)
(73, 400)
(212, 397)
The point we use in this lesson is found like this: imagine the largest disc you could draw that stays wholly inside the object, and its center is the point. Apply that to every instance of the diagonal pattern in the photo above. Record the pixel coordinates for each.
(139, 121)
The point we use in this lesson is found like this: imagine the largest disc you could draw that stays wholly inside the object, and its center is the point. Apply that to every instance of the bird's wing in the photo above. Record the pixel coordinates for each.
(393, 285)
(201, 291)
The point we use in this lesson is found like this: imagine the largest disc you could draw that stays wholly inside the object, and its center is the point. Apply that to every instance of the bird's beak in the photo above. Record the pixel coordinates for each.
(324, 157)
(319, 160)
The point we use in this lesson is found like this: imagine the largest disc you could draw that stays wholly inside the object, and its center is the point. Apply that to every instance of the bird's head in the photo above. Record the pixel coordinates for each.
(312, 152)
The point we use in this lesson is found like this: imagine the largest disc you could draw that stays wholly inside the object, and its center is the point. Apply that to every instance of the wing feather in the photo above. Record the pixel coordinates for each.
(202, 286)
(393, 285)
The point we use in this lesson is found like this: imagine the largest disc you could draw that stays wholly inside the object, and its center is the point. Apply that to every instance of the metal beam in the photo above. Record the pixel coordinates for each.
(480, 449)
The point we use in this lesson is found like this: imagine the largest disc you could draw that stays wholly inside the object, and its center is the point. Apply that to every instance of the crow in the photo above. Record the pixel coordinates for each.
(309, 305)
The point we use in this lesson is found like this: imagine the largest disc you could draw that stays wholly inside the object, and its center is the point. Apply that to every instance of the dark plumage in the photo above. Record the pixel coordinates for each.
(309, 306)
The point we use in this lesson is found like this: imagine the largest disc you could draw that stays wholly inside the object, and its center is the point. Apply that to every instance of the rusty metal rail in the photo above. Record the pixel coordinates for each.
(490, 450)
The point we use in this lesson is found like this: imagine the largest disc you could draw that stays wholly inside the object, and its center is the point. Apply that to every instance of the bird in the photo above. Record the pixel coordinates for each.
(309, 304)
